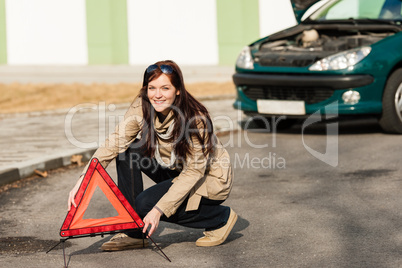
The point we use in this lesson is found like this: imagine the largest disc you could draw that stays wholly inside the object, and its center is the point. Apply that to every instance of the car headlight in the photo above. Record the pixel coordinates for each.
(245, 60)
(341, 60)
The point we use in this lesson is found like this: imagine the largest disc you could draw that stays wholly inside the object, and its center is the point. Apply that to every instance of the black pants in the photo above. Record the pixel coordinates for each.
(210, 214)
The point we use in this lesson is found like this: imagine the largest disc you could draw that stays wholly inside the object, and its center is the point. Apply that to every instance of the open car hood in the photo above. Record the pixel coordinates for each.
(303, 5)
(300, 7)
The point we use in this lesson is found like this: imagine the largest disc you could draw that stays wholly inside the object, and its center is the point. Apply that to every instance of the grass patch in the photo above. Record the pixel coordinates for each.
(19, 98)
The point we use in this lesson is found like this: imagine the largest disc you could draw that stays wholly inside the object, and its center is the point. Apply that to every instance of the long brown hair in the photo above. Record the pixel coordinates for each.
(190, 115)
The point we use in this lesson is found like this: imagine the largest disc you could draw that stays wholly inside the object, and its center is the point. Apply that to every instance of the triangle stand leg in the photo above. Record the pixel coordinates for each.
(62, 241)
(159, 249)
(64, 254)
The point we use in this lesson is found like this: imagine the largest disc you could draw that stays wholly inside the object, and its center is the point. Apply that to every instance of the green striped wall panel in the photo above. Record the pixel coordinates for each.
(3, 35)
(107, 31)
(238, 26)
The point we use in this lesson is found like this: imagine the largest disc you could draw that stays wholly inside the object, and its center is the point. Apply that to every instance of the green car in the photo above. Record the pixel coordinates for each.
(343, 58)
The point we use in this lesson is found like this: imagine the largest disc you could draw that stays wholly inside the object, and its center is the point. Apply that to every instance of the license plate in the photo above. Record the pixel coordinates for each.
(281, 107)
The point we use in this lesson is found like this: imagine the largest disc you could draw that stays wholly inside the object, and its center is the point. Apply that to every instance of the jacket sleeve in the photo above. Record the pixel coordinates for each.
(193, 172)
(124, 134)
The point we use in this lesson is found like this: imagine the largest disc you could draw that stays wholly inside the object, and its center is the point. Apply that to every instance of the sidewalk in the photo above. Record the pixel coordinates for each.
(105, 74)
(47, 140)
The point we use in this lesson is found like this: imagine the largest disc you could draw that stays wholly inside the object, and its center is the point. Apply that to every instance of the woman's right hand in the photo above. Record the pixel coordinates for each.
(73, 192)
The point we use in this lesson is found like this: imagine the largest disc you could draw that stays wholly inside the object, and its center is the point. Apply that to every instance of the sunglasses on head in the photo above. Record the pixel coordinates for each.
(166, 69)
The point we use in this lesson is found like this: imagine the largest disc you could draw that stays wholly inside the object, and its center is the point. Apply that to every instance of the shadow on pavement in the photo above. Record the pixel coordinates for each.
(182, 235)
(345, 127)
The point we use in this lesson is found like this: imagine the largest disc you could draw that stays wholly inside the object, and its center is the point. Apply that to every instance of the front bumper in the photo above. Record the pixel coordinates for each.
(330, 81)
(318, 91)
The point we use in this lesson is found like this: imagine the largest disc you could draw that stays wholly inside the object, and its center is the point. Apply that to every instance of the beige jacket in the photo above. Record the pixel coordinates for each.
(200, 176)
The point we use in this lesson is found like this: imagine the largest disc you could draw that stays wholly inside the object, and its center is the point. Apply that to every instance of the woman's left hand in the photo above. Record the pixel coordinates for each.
(152, 218)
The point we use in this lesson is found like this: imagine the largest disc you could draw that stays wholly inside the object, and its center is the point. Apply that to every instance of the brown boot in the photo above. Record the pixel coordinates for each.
(218, 236)
(122, 241)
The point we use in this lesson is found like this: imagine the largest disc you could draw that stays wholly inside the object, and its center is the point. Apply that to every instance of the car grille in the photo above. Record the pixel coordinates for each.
(310, 95)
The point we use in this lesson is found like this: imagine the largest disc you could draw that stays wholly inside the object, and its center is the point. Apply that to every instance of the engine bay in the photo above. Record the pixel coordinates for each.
(304, 47)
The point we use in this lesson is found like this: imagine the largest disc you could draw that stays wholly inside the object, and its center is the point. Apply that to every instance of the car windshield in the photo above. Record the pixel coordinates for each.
(352, 10)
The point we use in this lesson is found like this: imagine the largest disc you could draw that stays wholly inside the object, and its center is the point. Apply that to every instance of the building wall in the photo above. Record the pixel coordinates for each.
(182, 30)
(46, 32)
(99, 32)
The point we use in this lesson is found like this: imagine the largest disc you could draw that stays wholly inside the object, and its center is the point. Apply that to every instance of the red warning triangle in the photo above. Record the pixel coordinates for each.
(96, 176)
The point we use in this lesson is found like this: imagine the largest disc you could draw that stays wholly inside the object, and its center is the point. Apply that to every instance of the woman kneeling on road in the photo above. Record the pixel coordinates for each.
(167, 134)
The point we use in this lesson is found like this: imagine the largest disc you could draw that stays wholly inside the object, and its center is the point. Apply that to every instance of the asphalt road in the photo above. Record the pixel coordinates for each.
(304, 199)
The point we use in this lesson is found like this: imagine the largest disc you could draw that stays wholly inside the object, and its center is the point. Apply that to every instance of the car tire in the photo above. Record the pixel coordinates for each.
(391, 117)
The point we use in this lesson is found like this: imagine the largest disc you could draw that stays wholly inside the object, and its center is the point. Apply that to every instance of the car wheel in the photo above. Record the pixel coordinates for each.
(391, 117)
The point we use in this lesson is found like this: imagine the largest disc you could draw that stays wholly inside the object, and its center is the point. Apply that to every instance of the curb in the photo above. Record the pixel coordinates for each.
(27, 168)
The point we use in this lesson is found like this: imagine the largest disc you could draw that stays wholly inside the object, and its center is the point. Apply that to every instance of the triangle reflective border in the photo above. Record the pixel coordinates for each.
(75, 225)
